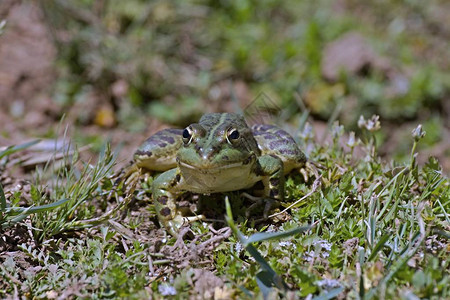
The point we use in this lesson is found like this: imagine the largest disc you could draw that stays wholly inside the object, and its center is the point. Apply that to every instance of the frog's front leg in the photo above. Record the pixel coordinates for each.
(166, 190)
(271, 170)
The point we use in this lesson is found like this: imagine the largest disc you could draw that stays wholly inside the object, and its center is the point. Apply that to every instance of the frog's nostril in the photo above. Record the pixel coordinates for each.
(206, 153)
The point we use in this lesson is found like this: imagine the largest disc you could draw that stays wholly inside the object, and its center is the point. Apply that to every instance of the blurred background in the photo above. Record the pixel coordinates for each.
(120, 70)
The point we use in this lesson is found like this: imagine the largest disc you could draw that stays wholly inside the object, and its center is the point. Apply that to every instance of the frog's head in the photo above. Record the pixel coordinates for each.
(219, 141)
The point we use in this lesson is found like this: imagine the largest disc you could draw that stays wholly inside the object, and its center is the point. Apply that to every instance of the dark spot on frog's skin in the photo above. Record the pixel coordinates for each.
(274, 193)
(175, 131)
(225, 157)
(274, 181)
(176, 180)
(259, 185)
(162, 145)
(165, 211)
(288, 152)
(270, 137)
(273, 155)
(143, 153)
(168, 139)
(163, 200)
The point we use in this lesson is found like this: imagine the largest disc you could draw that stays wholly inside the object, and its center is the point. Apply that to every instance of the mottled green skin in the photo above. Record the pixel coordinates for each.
(212, 161)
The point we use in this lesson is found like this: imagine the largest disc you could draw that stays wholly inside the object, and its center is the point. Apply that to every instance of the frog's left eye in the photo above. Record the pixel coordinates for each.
(233, 135)
(187, 135)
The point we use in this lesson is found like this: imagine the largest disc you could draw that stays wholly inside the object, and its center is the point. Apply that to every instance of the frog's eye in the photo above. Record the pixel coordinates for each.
(187, 135)
(233, 135)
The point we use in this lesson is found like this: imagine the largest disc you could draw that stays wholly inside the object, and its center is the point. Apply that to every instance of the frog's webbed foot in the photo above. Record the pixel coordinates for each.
(271, 169)
(127, 174)
(310, 169)
(174, 225)
(258, 202)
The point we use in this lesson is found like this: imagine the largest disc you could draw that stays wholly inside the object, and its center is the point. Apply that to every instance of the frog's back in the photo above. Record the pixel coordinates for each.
(273, 140)
(213, 121)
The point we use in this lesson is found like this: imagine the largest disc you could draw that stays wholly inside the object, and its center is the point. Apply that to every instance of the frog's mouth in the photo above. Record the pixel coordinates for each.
(209, 168)
(215, 168)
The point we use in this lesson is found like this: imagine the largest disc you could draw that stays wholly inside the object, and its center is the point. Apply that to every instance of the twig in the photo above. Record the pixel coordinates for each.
(315, 186)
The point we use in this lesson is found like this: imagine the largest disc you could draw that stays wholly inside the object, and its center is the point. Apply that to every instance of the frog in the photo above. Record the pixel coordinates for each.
(219, 154)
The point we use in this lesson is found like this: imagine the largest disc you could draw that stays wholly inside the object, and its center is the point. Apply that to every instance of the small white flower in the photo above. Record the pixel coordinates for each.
(372, 124)
(309, 255)
(328, 283)
(166, 289)
(307, 133)
(418, 133)
(324, 244)
(238, 247)
(271, 228)
(352, 142)
(287, 244)
(337, 130)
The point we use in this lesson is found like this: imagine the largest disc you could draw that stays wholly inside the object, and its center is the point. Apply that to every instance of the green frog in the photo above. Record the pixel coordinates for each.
(220, 153)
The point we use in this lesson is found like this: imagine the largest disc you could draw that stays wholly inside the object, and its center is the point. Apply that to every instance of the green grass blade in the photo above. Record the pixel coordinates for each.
(378, 246)
(330, 295)
(265, 283)
(265, 236)
(14, 221)
(229, 218)
(12, 149)
(269, 273)
(246, 291)
(2, 199)
(35, 209)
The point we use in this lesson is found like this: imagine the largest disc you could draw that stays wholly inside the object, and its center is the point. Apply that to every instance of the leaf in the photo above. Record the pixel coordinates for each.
(261, 261)
(378, 246)
(2, 199)
(274, 278)
(14, 221)
(265, 283)
(330, 295)
(265, 236)
(30, 210)
(12, 149)
(246, 291)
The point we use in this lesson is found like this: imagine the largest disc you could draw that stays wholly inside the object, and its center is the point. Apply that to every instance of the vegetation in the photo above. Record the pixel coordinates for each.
(373, 230)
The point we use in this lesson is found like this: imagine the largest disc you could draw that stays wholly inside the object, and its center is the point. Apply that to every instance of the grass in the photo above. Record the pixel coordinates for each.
(373, 230)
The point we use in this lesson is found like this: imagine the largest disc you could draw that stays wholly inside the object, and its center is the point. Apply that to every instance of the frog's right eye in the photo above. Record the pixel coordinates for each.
(187, 135)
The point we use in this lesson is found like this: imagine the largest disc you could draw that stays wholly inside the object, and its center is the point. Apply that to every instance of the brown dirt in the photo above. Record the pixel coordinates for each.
(27, 55)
